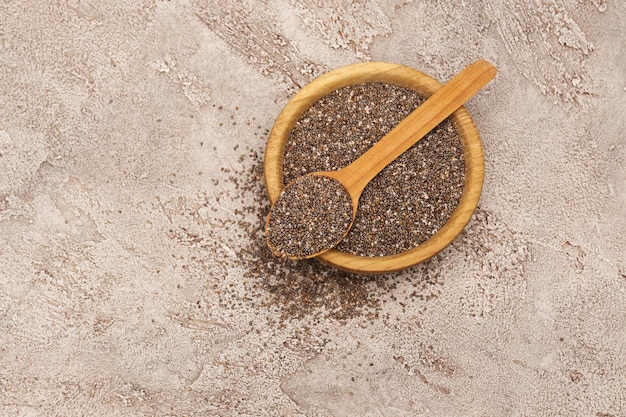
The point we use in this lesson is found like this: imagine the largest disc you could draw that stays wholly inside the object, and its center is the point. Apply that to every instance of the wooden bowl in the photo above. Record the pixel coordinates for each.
(425, 86)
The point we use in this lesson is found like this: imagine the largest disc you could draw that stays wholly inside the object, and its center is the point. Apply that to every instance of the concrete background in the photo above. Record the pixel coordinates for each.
(133, 276)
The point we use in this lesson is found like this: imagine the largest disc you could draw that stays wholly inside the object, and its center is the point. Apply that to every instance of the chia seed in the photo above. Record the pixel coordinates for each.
(311, 215)
(412, 198)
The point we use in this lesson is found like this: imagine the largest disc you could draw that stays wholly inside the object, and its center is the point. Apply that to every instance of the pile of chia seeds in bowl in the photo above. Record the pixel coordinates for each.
(409, 200)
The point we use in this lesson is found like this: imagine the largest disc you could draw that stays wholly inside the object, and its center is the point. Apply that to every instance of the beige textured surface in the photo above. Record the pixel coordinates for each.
(133, 278)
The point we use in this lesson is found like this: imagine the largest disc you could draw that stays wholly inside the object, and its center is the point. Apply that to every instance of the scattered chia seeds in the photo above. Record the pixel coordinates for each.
(413, 197)
(311, 215)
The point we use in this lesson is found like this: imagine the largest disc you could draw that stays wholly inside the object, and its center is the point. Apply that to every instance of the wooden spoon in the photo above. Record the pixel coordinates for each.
(289, 214)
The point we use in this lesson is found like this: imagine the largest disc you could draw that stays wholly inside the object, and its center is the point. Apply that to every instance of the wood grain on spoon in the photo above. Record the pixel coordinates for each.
(414, 127)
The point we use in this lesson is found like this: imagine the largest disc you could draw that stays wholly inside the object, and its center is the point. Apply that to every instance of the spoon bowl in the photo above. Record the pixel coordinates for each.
(425, 86)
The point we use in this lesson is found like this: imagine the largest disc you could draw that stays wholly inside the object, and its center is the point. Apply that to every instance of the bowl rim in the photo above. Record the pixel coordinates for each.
(424, 85)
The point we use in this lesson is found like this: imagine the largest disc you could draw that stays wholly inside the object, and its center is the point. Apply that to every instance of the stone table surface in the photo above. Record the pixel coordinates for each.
(134, 280)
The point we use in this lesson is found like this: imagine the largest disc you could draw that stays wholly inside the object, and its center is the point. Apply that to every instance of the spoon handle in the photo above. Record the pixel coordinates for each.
(421, 121)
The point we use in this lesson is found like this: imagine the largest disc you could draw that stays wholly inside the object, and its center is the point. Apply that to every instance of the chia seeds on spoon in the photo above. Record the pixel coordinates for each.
(413, 197)
(311, 215)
